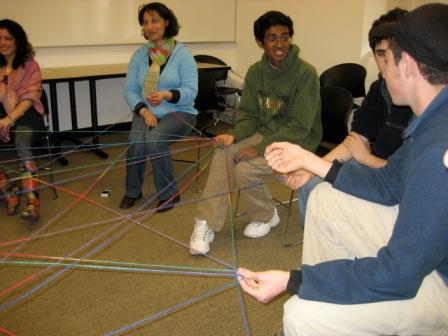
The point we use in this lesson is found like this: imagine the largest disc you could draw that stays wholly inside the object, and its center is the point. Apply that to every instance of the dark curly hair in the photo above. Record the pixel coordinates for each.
(270, 19)
(382, 27)
(167, 14)
(24, 50)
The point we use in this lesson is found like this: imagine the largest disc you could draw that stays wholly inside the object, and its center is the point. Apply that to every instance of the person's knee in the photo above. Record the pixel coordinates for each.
(288, 318)
(301, 318)
(318, 196)
(310, 185)
(243, 175)
(23, 137)
(295, 317)
(220, 155)
(156, 145)
(136, 152)
(221, 160)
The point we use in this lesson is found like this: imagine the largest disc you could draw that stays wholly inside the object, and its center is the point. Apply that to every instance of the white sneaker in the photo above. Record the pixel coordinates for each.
(201, 237)
(258, 229)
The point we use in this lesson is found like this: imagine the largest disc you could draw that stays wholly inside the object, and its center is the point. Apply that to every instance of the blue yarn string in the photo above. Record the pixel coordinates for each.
(168, 311)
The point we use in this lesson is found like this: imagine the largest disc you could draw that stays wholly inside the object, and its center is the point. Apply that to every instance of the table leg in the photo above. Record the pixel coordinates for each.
(55, 122)
(94, 116)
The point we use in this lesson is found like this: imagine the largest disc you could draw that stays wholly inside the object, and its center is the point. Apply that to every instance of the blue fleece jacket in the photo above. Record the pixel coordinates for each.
(416, 179)
(180, 73)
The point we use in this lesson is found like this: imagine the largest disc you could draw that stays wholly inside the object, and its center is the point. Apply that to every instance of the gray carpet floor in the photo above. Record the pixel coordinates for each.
(73, 301)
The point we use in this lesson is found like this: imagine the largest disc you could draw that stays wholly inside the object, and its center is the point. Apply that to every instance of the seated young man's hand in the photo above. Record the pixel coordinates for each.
(224, 140)
(245, 154)
(358, 146)
(298, 179)
(285, 157)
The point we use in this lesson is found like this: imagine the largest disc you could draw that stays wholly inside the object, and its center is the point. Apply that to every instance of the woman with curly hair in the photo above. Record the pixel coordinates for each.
(21, 111)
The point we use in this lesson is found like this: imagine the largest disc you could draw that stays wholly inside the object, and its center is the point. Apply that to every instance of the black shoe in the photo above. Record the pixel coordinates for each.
(168, 204)
(128, 202)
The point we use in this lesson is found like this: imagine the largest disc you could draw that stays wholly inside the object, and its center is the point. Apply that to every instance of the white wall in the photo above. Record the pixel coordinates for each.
(328, 32)
(114, 22)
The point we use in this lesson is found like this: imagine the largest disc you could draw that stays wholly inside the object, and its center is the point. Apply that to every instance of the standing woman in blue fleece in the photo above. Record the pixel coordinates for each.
(161, 85)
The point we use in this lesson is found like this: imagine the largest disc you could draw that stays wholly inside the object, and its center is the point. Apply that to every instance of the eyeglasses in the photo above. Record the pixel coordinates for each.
(151, 21)
(275, 38)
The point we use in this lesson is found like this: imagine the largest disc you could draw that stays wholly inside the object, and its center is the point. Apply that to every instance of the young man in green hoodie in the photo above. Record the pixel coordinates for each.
(280, 102)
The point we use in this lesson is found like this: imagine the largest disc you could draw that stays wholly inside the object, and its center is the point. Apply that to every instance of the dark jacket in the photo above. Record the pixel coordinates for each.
(380, 121)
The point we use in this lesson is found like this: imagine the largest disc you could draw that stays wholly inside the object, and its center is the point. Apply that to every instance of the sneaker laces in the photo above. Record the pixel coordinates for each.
(200, 230)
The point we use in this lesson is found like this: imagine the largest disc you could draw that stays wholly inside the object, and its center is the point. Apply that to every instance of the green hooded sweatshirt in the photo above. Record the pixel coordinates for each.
(281, 104)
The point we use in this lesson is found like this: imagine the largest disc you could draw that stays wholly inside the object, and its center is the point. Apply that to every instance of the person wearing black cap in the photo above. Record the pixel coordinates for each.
(377, 127)
(375, 256)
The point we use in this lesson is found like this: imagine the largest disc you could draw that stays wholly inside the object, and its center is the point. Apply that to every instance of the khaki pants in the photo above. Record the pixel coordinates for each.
(222, 176)
(340, 226)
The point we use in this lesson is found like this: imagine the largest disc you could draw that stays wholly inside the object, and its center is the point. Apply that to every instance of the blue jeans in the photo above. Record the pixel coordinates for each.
(302, 197)
(155, 143)
(304, 193)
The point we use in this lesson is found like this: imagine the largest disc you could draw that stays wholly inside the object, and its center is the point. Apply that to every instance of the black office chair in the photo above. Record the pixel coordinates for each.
(223, 92)
(350, 76)
(206, 102)
(336, 104)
